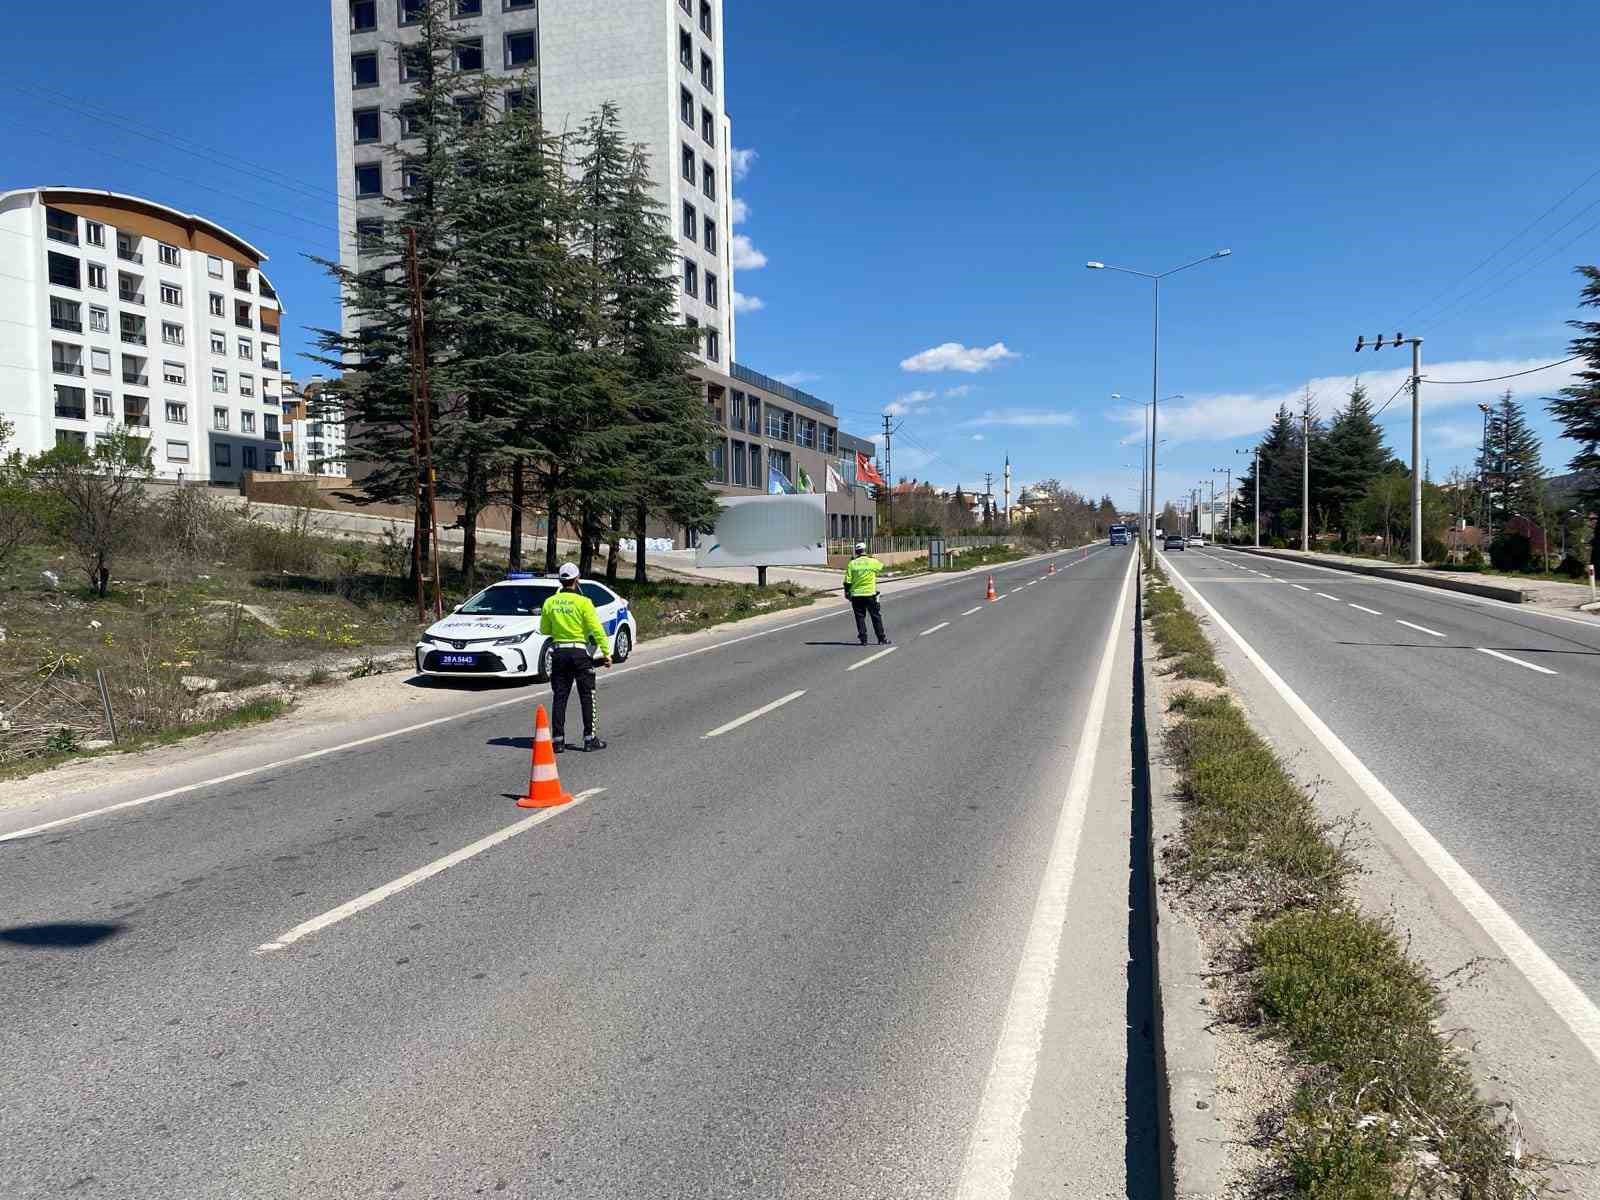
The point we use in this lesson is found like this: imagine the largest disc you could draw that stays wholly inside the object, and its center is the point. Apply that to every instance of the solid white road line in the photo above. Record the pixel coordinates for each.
(1325, 596)
(935, 629)
(1365, 609)
(1419, 628)
(880, 654)
(1565, 998)
(973, 609)
(990, 1166)
(377, 895)
(1518, 661)
(751, 716)
(1301, 586)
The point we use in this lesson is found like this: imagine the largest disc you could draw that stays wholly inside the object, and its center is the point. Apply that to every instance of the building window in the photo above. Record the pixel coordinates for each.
(214, 266)
(711, 289)
(513, 5)
(249, 458)
(705, 18)
(806, 433)
(219, 383)
(777, 419)
(136, 412)
(757, 479)
(736, 415)
(64, 270)
(369, 126)
(691, 279)
(171, 334)
(269, 426)
(689, 164)
(72, 437)
(132, 329)
(247, 385)
(222, 452)
(753, 424)
(66, 359)
(687, 6)
(170, 256)
(686, 48)
(522, 50)
(247, 348)
(713, 345)
(711, 235)
(413, 121)
(369, 235)
(708, 127)
(708, 77)
(219, 342)
(469, 55)
(247, 422)
(369, 179)
(171, 293)
(691, 218)
(218, 305)
(99, 319)
(128, 288)
(219, 418)
(708, 180)
(60, 226)
(830, 440)
(740, 464)
(99, 361)
(411, 11)
(94, 233)
(469, 110)
(66, 314)
(469, 8)
(520, 98)
(97, 276)
(269, 355)
(686, 106)
(177, 413)
(70, 403)
(719, 473)
(780, 461)
(133, 371)
(364, 70)
(102, 405)
(174, 373)
(178, 452)
(414, 63)
(363, 16)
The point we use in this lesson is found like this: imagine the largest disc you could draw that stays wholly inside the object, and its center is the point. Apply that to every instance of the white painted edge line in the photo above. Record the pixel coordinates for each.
(990, 1166)
(377, 895)
(1419, 628)
(1565, 998)
(970, 611)
(1325, 596)
(935, 629)
(751, 716)
(1301, 586)
(1364, 608)
(884, 653)
(1518, 661)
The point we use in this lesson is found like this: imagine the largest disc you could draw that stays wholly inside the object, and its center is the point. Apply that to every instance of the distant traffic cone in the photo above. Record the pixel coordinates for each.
(991, 594)
(544, 783)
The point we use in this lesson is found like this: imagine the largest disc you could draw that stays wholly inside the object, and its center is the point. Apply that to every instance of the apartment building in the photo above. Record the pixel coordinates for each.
(120, 311)
(659, 61)
(313, 438)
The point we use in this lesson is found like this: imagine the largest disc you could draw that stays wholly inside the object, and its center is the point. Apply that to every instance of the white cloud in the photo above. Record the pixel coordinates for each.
(747, 304)
(978, 437)
(1227, 416)
(739, 211)
(1024, 418)
(743, 161)
(911, 402)
(745, 256)
(796, 378)
(956, 393)
(953, 356)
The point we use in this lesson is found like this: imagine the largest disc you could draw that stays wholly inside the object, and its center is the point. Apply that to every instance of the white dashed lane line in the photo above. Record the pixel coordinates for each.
(1419, 628)
(1518, 661)
(751, 716)
(1325, 596)
(935, 629)
(1365, 609)
(1301, 586)
(973, 609)
(867, 661)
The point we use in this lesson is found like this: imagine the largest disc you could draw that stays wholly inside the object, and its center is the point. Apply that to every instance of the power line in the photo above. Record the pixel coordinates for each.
(1404, 384)
(1513, 375)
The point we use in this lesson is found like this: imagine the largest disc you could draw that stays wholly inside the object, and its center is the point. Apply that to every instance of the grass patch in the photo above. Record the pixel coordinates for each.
(666, 607)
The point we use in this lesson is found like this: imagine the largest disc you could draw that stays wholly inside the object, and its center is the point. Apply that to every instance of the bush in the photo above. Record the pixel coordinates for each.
(1434, 551)
(1511, 551)
(274, 549)
(1473, 560)
(1279, 544)
(193, 525)
(1571, 567)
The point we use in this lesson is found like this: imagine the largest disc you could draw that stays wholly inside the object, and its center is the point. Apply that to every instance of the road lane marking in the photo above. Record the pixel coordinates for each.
(935, 629)
(751, 716)
(884, 653)
(1518, 661)
(1325, 596)
(1419, 628)
(1365, 609)
(377, 895)
(990, 1166)
(1568, 1001)
(973, 609)
(1030, 583)
(1301, 586)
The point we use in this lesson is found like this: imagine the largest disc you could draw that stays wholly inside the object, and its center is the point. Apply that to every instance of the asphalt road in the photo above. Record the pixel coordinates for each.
(774, 962)
(1478, 716)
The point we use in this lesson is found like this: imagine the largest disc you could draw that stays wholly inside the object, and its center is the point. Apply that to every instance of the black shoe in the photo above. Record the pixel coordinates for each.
(593, 743)
(884, 642)
(863, 641)
(560, 744)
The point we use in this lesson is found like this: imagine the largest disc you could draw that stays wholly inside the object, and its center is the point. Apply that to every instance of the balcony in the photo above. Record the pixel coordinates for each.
(244, 322)
(136, 380)
(128, 297)
(269, 364)
(71, 412)
(64, 367)
(127, 254)
(65, 323)
(136, 421)
(133, 338)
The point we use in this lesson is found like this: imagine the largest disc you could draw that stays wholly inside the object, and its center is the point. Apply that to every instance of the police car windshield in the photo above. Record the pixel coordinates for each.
(507, 602)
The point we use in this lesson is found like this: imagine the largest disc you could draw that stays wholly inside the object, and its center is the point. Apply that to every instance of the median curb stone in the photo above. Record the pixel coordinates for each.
(1489, 591)
(1193, 1141)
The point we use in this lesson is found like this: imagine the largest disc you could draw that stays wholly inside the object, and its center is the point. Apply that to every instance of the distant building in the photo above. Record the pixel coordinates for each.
(313, 437)
(120, 311)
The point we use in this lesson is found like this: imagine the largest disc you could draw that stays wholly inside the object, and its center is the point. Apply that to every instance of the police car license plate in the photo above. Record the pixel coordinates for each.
(458, 660)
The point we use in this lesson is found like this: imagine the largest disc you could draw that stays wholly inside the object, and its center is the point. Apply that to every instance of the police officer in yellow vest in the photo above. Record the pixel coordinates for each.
(861, 585)
(569, 620)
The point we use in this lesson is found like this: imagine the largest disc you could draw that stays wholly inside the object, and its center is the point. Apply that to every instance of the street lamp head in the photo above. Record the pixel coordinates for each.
(1095, 266)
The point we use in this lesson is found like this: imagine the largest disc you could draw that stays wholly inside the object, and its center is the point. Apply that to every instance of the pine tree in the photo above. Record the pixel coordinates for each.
(1512, 468)
(1280, 472)
(1353, 455)
(1578, 407)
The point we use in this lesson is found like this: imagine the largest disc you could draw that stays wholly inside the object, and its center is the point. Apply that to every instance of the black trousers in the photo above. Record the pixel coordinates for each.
(571, 665)
(862, 606)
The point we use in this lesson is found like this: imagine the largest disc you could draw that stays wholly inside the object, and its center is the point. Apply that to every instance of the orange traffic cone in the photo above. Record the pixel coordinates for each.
(544, 784)
(991, 595)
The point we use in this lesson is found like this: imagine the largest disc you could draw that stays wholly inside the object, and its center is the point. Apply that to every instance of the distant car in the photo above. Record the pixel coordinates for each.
(1172, 542)
(495, 634)
(1196, 540)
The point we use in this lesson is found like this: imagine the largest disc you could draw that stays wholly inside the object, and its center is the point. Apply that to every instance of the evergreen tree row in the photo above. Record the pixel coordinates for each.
(558, 375)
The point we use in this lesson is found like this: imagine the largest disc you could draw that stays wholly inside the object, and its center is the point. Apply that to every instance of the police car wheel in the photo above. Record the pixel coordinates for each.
(622, 645)
(547, 660)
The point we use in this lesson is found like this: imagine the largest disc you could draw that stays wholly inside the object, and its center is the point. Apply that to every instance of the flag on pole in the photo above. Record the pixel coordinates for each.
(777, 482)
(835, 484)
(866, 472)
(802, 481)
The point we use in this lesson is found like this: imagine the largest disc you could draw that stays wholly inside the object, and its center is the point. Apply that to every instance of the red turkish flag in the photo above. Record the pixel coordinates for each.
(866, 472)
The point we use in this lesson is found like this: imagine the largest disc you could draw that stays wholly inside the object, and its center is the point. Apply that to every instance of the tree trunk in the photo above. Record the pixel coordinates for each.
(552, 520)
(470, 504)
(586, 539)
(640, 516)
(518, 488)
(613, 550)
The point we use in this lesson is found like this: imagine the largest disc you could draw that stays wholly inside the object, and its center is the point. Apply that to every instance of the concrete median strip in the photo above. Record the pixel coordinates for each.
(378, 895)
(751, 716)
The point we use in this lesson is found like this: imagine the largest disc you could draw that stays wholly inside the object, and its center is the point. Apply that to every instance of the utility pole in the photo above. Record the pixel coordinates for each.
(1416, 434)
(888, 468)
(1008, 490)
(1305, 476)
(1227, 499)
(1255, 469)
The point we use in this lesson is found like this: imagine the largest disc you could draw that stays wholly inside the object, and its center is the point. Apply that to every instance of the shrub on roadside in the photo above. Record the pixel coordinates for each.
(1571, 567)
(1511, 551)
(1434, 551)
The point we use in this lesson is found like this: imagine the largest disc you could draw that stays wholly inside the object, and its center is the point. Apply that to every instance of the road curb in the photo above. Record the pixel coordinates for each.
(1193, 1146)
(1488, 591)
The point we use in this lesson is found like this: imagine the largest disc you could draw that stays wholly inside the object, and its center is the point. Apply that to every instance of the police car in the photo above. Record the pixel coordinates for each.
(496, 634)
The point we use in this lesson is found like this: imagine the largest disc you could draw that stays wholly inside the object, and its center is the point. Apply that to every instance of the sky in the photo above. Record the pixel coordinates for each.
(921, 184)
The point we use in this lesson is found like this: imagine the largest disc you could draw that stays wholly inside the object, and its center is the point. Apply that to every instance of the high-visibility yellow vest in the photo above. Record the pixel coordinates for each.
(571, 617)
(861, 575)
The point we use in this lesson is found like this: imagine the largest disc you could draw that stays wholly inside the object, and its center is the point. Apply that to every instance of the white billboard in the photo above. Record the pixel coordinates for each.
(767, 531)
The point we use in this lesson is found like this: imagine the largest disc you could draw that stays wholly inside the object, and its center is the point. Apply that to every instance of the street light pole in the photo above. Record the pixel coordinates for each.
(1155, 353)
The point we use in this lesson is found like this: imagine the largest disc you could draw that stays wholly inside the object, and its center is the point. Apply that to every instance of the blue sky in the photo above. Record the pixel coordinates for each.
(930, 174)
